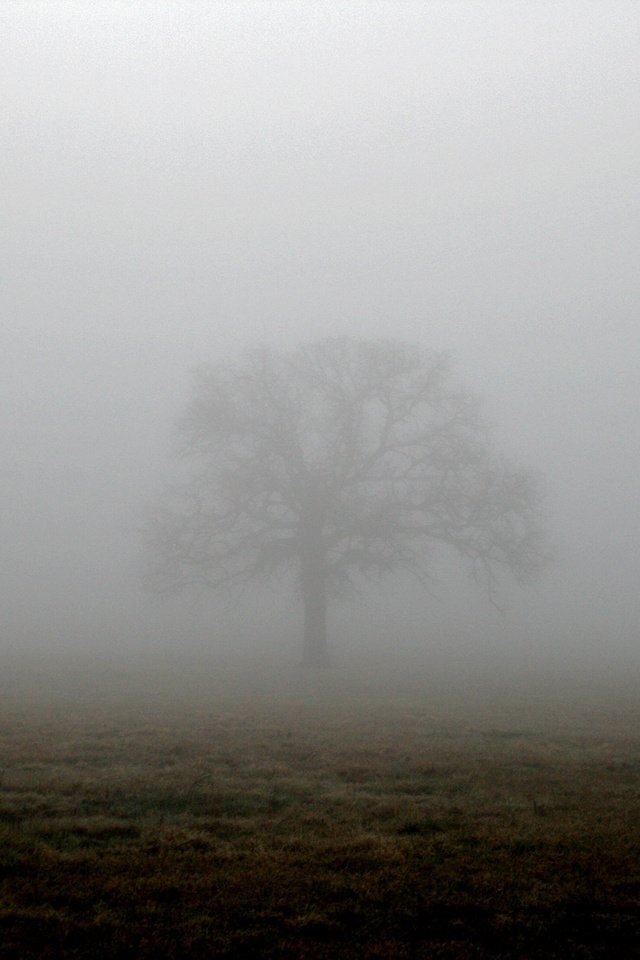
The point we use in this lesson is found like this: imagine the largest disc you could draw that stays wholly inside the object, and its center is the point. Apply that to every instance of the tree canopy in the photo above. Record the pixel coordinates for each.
(339, 461)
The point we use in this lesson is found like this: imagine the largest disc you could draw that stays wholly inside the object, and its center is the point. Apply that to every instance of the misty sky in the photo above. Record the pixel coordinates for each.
(183, 179)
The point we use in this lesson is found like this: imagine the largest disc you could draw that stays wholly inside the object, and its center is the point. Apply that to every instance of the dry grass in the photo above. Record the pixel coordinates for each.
(209, 815)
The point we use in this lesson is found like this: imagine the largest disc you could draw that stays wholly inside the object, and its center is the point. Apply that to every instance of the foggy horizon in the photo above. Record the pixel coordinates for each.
(185, 181)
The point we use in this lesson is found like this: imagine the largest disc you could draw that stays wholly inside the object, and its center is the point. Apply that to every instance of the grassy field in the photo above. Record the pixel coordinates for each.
(217, 812)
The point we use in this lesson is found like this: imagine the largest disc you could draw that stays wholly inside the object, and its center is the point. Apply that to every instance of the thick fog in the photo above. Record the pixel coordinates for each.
(182, 180)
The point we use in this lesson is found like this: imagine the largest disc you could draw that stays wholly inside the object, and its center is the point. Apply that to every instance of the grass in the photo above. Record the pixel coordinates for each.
(228, 814)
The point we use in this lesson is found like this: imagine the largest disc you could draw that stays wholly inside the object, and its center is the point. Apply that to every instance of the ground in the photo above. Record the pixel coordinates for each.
(200, 811)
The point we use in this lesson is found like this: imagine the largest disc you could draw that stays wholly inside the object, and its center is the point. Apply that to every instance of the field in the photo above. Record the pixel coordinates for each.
(203, 811)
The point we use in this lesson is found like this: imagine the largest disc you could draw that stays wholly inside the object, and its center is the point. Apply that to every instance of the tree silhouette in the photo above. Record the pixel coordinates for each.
(338, 462)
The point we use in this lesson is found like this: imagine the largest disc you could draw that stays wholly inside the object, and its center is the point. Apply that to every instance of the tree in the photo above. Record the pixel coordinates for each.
(338, 462)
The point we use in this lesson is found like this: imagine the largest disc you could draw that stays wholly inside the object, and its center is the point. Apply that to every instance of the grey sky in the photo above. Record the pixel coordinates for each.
(181, 179)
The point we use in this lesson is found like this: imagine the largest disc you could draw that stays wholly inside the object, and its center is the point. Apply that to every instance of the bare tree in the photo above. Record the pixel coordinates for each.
(337, 462)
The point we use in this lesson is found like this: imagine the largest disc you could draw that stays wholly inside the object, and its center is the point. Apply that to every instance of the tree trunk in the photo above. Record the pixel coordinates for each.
(313, 586)
(315, 651)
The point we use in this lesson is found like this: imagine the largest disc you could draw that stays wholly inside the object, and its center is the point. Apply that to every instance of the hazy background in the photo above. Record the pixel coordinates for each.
(183, 179)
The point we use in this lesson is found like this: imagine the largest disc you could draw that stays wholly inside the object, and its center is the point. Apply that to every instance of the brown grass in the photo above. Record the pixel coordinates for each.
(228, 815)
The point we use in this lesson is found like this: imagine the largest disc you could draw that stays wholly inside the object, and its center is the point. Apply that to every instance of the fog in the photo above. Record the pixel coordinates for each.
(181, 181)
